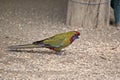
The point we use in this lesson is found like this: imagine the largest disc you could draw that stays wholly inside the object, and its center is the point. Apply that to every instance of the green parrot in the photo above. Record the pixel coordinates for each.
(55, 43)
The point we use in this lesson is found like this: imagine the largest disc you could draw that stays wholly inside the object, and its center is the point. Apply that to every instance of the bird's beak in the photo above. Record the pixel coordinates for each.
(77, 37)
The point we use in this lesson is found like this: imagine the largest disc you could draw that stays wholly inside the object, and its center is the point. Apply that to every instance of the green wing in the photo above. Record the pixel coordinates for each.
(58, 41)
(55, 41)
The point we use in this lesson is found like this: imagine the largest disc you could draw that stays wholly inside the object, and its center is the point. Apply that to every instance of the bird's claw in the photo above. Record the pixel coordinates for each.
(58, 53)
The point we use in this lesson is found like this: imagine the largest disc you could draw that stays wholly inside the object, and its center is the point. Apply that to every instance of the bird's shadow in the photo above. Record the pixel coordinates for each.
(33, 51)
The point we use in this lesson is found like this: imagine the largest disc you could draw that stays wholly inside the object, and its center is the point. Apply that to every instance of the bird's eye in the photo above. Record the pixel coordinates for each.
(75, 35)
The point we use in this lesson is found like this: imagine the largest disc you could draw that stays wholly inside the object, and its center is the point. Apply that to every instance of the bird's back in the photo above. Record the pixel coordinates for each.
(58, 41)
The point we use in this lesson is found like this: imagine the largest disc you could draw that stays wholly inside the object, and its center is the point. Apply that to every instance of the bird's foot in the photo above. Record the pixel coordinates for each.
(59, 53)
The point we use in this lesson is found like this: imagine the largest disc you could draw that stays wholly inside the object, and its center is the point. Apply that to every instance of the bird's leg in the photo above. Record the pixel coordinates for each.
(58, 52)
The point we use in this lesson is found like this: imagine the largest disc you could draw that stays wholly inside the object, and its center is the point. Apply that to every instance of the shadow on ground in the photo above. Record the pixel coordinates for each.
(33, 51)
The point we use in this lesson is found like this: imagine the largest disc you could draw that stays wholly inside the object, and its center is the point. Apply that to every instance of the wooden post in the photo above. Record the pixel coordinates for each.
(88, 13)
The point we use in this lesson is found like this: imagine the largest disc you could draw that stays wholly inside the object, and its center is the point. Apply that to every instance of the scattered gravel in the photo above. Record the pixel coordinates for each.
(95, 56)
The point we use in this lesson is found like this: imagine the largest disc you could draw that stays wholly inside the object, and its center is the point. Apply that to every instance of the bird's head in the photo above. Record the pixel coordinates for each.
(75, 36)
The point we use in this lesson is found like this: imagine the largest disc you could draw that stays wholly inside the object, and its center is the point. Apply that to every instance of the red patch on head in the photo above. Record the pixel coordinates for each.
(78, 33)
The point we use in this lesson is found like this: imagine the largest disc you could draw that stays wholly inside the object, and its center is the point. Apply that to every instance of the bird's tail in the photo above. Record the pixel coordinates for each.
(14, 47)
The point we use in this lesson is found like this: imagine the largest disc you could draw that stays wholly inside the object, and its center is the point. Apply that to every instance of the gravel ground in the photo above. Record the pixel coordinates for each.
(95, 56)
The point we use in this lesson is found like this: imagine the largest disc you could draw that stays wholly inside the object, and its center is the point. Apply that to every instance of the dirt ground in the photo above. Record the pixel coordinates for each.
(94, 56)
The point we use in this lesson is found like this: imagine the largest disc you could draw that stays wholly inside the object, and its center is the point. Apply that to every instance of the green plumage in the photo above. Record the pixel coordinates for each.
(60, 40)
(56, 43)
